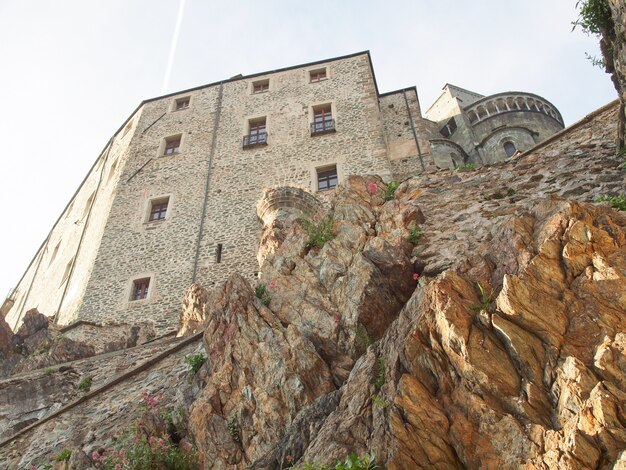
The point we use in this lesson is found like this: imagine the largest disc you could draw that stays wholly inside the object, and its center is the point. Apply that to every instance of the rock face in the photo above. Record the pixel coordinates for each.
(261, 375)
(468, 320)
(531, 378)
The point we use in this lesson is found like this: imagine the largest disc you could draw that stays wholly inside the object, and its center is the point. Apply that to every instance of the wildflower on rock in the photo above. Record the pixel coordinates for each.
(416, 276)
(273, 284)
(337, 318)
(372, 187)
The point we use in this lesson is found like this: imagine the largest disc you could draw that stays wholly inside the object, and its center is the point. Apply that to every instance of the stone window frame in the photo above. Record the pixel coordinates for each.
(333, 112)
(263, 81)
(158, 199)
(130, 288)
(321, 166)
(316, 70)
(181, 147)
(504, 142)
(174, 105)
(251, 119)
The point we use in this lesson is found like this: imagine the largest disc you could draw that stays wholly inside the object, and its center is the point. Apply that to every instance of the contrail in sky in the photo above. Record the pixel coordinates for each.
(170, 60)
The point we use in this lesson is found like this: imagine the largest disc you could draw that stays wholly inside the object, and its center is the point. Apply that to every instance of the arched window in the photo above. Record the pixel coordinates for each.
(509, 148)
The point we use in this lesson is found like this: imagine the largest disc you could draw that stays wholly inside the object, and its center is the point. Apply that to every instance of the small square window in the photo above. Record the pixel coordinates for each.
(140, 289)
(172, 145)
(317, 75)
(261, 86)
(326, 178)
(182, 103)
(158, 209)
(257, 134)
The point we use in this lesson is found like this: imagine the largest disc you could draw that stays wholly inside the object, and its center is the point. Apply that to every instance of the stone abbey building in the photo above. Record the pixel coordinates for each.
(180, 192)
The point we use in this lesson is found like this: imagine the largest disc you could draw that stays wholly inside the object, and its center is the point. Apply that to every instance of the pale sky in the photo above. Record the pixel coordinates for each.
(73, 70)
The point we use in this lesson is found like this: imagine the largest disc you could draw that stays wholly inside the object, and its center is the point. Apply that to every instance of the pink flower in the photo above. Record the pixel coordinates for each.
(95, 455)
(372, 187)
(416, 276)
(32, 467)
(337, 318)
(273, 284)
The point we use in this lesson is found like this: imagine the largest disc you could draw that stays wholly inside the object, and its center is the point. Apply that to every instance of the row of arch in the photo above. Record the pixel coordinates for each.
(503, 104)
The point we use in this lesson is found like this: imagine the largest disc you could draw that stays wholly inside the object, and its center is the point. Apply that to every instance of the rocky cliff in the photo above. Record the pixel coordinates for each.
(465, 319)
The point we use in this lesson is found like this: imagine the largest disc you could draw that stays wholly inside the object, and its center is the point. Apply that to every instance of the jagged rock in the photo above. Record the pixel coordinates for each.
(344, 295)
(33, 335)
(7, 338)
(536, 383)
(262, 375)
(193, 313)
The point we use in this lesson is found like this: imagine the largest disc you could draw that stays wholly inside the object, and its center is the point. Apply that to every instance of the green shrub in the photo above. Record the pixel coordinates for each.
(379, 402)
(594, 16)
(63, 456)
(485, 299)
(415, 233)
(195, 362)
(85, 384)
(465, 167)
(261, 292)
(617, 202)
(380, 375)
(48, 370)
(319, 233)
(352, 462)
(390, 192)
(146, 447)
(233, 428)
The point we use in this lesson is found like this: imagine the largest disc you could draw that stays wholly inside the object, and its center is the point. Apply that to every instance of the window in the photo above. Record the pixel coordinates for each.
(509, 148)
(261, 86)
(172, 145)
(182, 103)
(257, 134)
(218, 253)
(326, 178)
(66, 273)
(323, 121)
(317, 75)
(158, 209)
(127, 128)
(140, 289)
(448, 129)
(54, 253)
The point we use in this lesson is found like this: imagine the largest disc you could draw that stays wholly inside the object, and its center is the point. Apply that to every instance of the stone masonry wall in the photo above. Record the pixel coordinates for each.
(403, 153)
(44, 282)
(164, 251)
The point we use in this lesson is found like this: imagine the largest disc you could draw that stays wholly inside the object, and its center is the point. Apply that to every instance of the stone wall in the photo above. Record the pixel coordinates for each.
(165, 251)
(405, 158)
(56, 275)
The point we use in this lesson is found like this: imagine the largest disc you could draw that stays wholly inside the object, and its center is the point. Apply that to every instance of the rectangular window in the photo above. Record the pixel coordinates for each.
(326, 178)
(323, 121)
(257, 134)
(158, 209)
(261, 86)
(182, 103)
(317, 75)
(218, 253)
(140, 289)
(172, 145)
